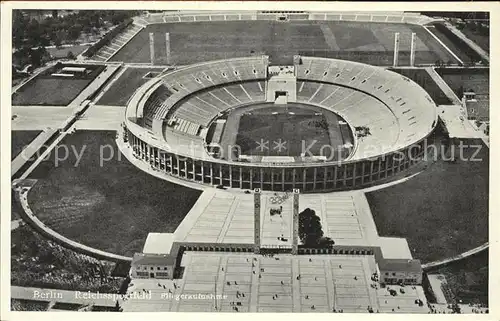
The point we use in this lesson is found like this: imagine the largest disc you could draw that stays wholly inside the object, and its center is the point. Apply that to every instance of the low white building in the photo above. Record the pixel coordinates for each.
(396, 271)
(152, 266)
(155, 261)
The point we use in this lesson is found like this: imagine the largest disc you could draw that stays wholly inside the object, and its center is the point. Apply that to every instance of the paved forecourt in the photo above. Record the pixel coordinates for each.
(227, 217)
(242, 282)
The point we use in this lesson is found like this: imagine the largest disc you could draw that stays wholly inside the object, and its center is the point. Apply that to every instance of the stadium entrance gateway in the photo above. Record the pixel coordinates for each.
(276, 243)
(281, 85)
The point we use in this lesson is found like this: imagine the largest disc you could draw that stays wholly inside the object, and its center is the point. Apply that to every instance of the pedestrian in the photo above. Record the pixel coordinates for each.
(340, 266)
(310, 260)
(282, 283)
(312, 307)
(222, 269)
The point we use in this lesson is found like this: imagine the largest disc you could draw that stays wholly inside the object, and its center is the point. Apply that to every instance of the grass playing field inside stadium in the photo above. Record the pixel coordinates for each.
(286, 130)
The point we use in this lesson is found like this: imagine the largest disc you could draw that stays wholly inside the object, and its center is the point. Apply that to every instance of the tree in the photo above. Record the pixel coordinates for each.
(74, 31)
(71, 55)
(310, 230)
(57, 42)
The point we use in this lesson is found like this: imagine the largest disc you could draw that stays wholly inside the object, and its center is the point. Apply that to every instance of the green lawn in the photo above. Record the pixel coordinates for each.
(468, 279)
(47, 90)
(481, 40)
(358, 41)
(295, 129)
(476, 79)
(424, 80)
(442, 212)
(63, 51)
(20, 139)
(125, 86)
(28, 305)
(111, 207)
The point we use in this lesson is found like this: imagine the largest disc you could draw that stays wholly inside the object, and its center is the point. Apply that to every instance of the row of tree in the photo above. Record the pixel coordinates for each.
(57, 30)
(37, 262)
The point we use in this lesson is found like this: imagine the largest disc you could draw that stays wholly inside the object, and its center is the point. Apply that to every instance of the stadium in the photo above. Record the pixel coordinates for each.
(176, 123)
(232, 123)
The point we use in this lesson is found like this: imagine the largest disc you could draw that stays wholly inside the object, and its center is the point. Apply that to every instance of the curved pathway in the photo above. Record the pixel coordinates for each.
(459, 257)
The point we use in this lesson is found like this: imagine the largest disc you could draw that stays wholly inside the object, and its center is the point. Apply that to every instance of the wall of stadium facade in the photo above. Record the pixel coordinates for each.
(197, 16)
(308, 178)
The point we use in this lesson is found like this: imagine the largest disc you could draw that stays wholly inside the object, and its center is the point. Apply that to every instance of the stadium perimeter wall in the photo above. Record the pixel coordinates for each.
(308, 178)
(196, 16)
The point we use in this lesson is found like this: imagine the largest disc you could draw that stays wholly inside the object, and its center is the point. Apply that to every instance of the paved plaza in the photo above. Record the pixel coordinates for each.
(225, 282)
(226, 217)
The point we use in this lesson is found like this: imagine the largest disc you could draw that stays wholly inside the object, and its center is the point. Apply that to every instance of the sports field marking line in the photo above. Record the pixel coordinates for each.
(442, 44)
(329, 37)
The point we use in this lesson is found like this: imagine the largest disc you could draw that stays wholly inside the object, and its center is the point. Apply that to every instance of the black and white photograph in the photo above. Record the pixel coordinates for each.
(247, 159)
